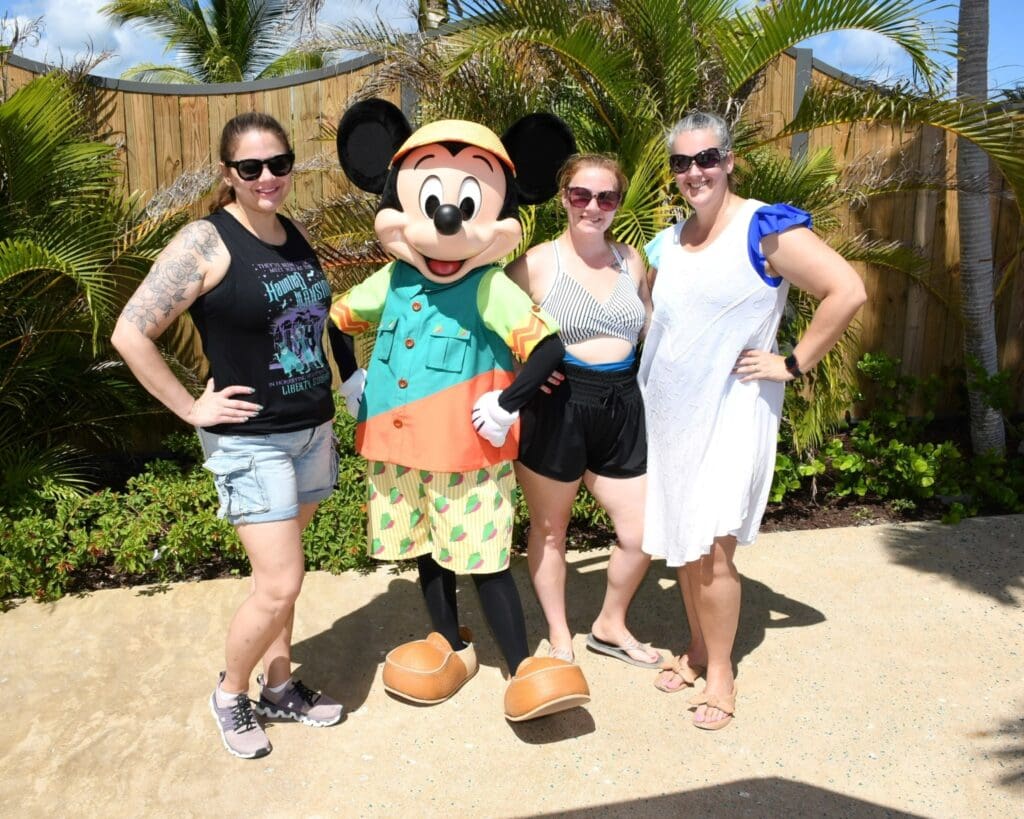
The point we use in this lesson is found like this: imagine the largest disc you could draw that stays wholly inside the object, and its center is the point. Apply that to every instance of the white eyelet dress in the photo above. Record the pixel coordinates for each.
(711, 439)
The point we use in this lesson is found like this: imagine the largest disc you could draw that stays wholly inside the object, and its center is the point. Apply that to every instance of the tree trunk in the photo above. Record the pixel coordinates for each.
(975, 221)
(432, 14)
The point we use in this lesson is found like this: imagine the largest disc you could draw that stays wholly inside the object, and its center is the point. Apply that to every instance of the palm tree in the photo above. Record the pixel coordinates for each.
(68, 243)
(431, 14)
(225, 41)
(975, 222)
(621, 71)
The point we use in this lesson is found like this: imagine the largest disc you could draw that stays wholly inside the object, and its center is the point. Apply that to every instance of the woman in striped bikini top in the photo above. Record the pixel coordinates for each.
(590, 429)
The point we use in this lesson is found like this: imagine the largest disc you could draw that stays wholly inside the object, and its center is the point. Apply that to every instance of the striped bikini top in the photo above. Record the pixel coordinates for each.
(581, 317)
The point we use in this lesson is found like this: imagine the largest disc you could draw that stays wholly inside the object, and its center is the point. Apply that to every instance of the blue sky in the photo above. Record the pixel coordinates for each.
(72, 25)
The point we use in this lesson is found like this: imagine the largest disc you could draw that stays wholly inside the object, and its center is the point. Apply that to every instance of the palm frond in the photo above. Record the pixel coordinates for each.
(998, 132)
(822, 406)
(69, 243)
(573, 36)
(223, 41)
(809, 182)
(761, 33)
(31, 472)
(151, 72)
(646, 208)
(292, 62)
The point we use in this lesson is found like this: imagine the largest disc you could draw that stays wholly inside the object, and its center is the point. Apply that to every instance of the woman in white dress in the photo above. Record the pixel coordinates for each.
(713, 382)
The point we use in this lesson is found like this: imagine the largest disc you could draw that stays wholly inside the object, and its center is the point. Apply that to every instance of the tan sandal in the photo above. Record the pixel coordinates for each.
(562, 654)
(686, 672)
(726, 703)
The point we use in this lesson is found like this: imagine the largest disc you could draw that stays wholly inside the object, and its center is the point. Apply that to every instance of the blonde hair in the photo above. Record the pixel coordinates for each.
(602, 161)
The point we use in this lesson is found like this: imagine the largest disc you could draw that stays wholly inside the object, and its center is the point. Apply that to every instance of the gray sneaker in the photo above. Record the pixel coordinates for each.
(241, 734)
(298, 703)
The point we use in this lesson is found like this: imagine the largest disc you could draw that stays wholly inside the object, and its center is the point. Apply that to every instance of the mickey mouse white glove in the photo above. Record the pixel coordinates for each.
(352, 391)
(490, 421)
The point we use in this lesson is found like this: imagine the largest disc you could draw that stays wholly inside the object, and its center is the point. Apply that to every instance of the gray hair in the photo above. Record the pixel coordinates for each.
(701, 121)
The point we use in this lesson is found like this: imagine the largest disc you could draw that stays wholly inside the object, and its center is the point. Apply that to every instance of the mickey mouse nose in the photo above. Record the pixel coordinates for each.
(447, 220)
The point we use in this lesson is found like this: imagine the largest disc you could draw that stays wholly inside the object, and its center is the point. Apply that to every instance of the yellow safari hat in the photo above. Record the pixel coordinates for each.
(456, 130)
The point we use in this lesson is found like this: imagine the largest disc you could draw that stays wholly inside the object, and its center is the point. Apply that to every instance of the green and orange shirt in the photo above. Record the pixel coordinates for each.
(439, 347)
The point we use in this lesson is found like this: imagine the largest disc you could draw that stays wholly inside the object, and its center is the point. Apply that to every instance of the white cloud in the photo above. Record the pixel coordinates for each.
(861, 53)
(71, 28)
(398, 13)
(74, 28)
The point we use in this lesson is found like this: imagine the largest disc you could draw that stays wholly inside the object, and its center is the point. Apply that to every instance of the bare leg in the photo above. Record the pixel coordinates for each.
(717, 600)
(277, 659)
(696, 653)
(275, 552)
(550, 505)
(623, 500)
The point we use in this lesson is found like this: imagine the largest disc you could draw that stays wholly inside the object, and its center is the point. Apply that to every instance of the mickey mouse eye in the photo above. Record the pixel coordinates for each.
(430, 196)
(469, 197)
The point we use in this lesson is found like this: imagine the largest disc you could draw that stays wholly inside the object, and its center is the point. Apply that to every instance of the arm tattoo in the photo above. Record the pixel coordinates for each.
(170, 278)
(201, 237)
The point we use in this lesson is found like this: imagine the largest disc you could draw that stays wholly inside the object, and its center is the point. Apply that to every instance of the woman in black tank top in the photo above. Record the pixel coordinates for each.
(255, 290)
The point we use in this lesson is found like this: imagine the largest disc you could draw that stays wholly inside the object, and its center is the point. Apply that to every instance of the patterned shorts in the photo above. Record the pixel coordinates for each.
(462, 519)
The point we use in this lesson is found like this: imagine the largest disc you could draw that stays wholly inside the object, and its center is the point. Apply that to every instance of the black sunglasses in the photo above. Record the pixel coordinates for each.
(606, 200)
(250, 169)
(708, 158)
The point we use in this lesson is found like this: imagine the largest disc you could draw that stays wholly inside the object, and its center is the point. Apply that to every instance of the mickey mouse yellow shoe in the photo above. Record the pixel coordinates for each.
(543, 686)
(429, 671)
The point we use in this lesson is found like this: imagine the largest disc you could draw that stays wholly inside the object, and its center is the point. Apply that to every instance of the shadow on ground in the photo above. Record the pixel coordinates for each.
(745, 797)
(972, 554)
(345, 658)
(984, 556)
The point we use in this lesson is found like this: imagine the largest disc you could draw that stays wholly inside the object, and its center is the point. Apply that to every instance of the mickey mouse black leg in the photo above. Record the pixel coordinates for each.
(431, 670)
(504, 612)
(438, 586)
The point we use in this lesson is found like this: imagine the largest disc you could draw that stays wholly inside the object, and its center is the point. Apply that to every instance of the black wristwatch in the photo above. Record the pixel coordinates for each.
(793, 367)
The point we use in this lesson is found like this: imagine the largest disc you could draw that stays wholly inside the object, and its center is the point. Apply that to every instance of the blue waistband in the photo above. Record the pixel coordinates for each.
(609, 366)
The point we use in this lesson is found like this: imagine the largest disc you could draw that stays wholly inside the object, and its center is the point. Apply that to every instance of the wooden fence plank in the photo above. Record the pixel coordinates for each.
(140, 143)
(918, 298)
(195, 142)
(112, 105)
(167, 139)
(222, 107)
(334, 99)
(305, 127)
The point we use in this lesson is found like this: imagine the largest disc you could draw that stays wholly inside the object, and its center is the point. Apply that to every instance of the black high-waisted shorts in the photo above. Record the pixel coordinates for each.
(594, 420)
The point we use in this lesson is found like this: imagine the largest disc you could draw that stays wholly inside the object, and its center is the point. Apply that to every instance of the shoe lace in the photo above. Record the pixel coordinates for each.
(308, 695)
(242, 716)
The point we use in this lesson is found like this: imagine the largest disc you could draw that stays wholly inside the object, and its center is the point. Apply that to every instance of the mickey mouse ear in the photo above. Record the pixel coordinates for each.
(538, 144)
(368, 135)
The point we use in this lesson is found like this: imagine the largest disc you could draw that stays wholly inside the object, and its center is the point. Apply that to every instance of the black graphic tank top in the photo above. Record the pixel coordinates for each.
(262, 327)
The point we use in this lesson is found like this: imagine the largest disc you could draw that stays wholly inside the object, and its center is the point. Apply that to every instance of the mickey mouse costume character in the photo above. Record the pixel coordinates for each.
(437, 419)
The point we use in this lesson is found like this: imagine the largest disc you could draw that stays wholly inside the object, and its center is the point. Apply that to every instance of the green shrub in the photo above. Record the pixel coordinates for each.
(883, 457)
(163, 525)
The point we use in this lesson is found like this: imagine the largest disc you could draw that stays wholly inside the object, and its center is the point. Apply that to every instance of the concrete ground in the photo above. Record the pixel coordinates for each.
(881, 673)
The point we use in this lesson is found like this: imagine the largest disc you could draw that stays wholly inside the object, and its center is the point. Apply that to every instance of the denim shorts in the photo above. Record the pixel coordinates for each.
(263, 478)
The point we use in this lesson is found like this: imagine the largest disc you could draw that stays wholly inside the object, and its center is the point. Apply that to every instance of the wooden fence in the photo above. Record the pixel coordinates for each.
(916, 322)
(165, 131)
